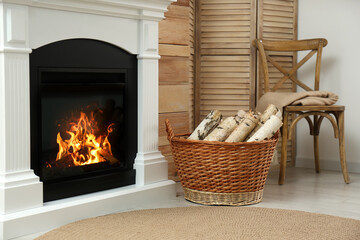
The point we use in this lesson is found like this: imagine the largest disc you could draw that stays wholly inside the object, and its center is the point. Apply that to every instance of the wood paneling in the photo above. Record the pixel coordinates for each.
(277, 20)
(174, 50)
(176, 74)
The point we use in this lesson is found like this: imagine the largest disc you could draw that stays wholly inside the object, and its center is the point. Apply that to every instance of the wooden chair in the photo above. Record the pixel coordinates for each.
(334, 113)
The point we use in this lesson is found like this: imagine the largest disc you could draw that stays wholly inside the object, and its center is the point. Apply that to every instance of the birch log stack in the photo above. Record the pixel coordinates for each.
(244, 129)
(206, 126)
(245, 126)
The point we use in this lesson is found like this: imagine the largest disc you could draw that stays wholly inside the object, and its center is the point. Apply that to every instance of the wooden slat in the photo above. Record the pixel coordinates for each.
(225, 80)
(225, 75)
(226, 40)
(225, 91)
(218, 2)
(174, 50)
(225, 34)
(225, 29)
(225, 6)
(226, 12)
(280, 3)
(225, 45)
(225, 64)
(225, 69)
(268, 29)
(278, 8)
(277, 19)
(224, 97)
(276, 13)
(225, 18)
(225, 23)
(176, 11)
(182, 3)
(238, 58)
(223, 51)
(220, 86)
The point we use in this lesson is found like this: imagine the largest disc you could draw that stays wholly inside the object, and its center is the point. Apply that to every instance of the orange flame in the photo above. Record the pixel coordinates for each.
(83, 146)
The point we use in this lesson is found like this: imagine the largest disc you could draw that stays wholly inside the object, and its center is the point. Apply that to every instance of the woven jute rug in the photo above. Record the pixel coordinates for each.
(210, 223)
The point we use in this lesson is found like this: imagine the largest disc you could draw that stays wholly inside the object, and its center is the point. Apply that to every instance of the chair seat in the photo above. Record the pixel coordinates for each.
(314, 108)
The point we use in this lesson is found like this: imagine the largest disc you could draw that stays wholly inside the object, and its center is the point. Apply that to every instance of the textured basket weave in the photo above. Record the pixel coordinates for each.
(219, 173)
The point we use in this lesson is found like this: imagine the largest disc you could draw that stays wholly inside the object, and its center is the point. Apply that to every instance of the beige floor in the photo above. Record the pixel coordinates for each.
(303, 190)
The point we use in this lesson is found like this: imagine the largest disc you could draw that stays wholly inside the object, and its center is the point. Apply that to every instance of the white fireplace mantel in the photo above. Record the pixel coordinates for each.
(29, 24)
(136, 9)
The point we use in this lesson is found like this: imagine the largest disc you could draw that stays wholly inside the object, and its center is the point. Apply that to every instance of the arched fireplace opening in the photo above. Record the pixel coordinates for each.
(83, 117)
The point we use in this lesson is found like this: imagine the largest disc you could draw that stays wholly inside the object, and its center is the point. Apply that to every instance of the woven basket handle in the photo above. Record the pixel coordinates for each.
(169, 130)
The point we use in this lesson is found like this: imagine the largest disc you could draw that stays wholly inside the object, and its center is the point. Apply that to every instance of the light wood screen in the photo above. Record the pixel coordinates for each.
(277, 20)
(225, 60)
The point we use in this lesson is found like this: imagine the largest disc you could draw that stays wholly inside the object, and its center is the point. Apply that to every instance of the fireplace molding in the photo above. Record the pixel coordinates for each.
(136, 9)
(28, 24)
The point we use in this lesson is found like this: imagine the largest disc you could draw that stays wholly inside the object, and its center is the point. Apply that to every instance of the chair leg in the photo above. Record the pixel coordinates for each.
(342, 147)
(283, 149)
(316, 153)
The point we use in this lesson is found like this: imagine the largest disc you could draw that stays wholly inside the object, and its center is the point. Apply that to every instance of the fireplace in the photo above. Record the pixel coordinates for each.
(126, 28)
(83, 117)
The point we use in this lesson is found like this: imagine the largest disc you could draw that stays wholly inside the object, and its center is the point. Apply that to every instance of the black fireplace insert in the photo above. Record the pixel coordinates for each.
(83, 117)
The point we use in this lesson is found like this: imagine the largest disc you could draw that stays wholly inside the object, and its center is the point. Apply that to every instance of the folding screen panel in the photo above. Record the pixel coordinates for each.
(277, 20)
(225, 60)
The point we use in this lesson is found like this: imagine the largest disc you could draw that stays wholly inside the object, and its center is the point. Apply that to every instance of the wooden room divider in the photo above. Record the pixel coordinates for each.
(207, 61)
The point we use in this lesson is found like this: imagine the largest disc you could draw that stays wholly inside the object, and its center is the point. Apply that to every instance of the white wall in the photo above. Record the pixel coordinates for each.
(338, 22)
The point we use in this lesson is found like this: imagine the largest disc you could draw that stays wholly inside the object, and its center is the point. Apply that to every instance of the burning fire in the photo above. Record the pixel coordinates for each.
(84, 147)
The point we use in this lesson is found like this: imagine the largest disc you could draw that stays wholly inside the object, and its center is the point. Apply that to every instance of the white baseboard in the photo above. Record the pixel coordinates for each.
(334, 165)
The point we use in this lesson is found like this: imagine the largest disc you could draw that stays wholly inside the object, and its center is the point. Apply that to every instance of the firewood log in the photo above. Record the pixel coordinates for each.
(240, 115)
(269, 111)
(206, 126)
(270, 127)
(223, 130)
(245, 127)
(108, 157)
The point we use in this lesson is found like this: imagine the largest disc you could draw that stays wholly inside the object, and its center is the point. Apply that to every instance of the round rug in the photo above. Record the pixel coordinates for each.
(210, 223)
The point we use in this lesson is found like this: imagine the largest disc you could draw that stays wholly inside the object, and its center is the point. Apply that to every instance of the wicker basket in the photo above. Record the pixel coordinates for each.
(219, 173)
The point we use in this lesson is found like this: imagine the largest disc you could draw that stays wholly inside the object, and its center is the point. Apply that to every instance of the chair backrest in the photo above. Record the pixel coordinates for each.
(264, 46)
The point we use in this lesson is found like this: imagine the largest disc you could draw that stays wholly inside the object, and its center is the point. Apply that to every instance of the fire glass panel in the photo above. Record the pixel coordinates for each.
(82, 132)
